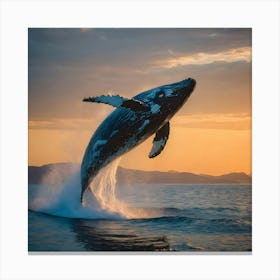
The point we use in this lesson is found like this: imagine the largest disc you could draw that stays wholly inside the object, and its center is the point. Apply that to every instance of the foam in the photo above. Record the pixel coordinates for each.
(100, 201)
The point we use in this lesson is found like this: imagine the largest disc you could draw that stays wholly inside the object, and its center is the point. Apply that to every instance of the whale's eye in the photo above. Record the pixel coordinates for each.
(161, 95)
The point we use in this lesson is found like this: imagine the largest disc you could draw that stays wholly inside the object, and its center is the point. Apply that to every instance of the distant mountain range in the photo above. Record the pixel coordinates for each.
(58, 172)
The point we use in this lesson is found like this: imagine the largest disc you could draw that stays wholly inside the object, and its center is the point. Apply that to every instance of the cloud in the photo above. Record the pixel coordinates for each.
(214, 121)
(136, 46)
(232, 55)
(61, 124)
(71, 123)
(205, 121)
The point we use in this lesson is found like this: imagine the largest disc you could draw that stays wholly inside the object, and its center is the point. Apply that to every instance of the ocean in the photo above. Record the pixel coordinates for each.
(140, 218)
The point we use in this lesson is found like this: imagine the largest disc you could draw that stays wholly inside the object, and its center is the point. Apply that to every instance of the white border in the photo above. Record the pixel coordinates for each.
(262, 16)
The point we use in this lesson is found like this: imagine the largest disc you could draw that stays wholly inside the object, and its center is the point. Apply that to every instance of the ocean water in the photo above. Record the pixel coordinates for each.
(139, 218)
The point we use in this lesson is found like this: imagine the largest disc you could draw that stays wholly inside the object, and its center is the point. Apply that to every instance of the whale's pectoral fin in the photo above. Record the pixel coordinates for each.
(119, 101)
(160, 140)
(113, 100)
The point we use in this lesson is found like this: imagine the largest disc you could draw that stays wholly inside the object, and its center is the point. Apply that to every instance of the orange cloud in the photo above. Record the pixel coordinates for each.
(232, 55)
(62, 124)
(238, 121)
(241, 121)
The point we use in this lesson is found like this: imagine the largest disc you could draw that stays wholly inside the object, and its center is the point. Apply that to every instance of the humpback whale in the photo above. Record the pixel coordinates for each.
(132, 122)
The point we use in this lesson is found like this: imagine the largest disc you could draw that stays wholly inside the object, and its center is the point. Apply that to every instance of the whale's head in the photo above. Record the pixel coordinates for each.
(172, 97)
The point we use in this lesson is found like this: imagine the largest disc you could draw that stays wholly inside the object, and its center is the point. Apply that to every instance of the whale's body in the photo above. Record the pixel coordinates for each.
(131, 123)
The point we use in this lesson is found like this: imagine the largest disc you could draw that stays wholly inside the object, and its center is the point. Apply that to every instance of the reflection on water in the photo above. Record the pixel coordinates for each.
(64, 234)
(97, 239)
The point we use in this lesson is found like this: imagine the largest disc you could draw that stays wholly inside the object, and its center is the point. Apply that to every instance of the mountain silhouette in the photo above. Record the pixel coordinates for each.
(56, 173)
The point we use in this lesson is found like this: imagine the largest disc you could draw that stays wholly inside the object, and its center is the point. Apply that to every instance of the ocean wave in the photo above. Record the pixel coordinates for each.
(199, 224)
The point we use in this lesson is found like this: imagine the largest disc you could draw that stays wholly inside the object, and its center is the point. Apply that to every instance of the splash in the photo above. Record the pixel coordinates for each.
(100, 202)
(103, 188)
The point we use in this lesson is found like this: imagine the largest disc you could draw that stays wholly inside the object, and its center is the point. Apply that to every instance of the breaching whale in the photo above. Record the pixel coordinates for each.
(132, 122)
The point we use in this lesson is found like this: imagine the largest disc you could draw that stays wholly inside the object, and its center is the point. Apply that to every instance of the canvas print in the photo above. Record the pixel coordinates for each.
(139, 140)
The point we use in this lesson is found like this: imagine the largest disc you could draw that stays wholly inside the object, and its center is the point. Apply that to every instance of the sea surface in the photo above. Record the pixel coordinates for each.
(204, 218)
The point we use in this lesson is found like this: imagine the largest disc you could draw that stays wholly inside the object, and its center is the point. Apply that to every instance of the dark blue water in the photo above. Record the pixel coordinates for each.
(176, 218)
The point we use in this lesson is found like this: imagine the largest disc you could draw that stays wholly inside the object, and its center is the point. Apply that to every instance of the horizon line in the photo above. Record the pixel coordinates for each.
(168, 171)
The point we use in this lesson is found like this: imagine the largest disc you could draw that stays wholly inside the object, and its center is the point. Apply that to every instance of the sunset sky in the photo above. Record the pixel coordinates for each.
(211, 134)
